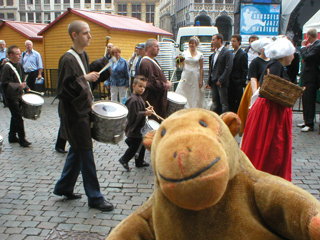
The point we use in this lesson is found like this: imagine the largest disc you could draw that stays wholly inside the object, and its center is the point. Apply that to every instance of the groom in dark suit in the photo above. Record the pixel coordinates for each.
(310, 52)
(220, 67)
(238, 75)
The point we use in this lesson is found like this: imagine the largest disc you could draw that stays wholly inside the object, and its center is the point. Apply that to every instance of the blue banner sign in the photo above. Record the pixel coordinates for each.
(260, 19)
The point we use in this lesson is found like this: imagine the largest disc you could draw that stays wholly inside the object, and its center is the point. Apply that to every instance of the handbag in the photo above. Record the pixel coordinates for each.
(280, 90)
(39, 81)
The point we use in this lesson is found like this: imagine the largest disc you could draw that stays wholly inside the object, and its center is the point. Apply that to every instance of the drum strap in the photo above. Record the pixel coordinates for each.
(15, 71)
(76, 56)
(146, 57)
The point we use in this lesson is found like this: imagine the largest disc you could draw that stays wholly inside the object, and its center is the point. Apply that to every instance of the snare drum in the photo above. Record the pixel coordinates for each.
(109, 121)
(150, 125)
(31, 106)
(175, 102)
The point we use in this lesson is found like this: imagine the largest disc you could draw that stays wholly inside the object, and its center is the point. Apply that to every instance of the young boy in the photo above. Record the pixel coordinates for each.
(136, 120)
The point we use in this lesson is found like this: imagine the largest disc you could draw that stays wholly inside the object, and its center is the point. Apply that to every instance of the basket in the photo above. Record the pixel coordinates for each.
(280, 90)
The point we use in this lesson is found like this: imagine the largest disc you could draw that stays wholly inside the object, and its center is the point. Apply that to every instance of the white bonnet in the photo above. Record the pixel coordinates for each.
(260, 43)
(280, 48)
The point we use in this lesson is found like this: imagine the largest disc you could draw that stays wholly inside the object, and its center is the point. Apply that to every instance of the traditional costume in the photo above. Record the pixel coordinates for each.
(267, 139)
(75, 103)
(256, 68)
(156, 91)
(11, 76)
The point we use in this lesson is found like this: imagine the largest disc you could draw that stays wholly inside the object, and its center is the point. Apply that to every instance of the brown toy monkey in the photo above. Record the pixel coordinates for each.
(206, 188)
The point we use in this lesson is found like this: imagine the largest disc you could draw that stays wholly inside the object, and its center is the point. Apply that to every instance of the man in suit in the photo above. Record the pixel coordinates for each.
(238, 75)
(220, 67)
(310, 52)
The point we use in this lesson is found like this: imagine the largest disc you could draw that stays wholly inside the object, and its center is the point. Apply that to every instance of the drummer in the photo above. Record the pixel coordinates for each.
(75, 103)
(13, 84)
(157, 84)
(136, 120)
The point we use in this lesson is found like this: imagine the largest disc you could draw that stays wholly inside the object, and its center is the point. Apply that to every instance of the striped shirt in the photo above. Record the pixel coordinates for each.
(31, 61)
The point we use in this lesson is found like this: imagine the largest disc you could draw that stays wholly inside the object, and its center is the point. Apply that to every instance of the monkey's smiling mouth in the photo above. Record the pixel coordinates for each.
(193, 175)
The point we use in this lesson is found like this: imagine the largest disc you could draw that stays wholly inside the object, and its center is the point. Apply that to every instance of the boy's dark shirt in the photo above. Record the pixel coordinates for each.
(136, 116)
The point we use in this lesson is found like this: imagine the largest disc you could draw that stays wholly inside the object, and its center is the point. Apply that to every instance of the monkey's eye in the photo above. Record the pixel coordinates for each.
(203, 124)
(163, 132)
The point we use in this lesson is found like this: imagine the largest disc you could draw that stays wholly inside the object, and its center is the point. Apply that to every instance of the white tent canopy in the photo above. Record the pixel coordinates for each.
(313, 22)
(287, 7)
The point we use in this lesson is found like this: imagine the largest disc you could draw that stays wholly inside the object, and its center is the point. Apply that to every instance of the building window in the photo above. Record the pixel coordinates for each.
(219, 1)
(150, 13)
(1, 15)
(38, 17)
(46, 2)
(122, 9)
(30, 17)
(229, 1)
(10, 16)
(1, 2)
(207, 1)
(108, 1)
(66, 1)
(46, 17)
(76, 1)
(87, 1)
(97, 1)
(136, 11)
(29, 2)
(198, 1)
(57, 14)
(9, 3)
(22, 17)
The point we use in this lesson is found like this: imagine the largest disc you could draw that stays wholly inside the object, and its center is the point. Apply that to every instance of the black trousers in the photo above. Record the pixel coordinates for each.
(31, 79)
(220, 99)
(16, 124)
(133, 144)
(309, 103)
(60, 143)
(235, 92)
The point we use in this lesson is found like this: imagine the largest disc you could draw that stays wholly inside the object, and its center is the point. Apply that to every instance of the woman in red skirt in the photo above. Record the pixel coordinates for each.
(267, 139)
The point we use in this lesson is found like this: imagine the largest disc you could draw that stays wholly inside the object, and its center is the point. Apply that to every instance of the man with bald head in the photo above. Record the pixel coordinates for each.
(75, 95)
(157, 84)
(32, 64)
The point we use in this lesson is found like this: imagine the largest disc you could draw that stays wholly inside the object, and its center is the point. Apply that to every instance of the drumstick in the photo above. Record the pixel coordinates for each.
(173, 74)
(154, 113)
(40, 93)
(181, 80)
(105, 67)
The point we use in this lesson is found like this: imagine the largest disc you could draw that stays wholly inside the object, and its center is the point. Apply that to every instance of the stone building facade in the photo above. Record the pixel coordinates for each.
(46, 11)
(181, 13)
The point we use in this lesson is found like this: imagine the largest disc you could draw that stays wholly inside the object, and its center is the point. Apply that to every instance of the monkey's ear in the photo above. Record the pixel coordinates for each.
(233, 122)
(148, 138)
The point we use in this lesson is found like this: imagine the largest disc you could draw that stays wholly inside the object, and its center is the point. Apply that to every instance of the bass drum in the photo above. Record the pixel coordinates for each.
(31, 106)
(108, 121)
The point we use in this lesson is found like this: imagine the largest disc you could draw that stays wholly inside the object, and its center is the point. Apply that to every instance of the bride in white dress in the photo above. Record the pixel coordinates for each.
(191, 83)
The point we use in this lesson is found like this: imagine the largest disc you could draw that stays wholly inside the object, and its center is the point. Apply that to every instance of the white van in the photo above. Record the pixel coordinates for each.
(203, 33)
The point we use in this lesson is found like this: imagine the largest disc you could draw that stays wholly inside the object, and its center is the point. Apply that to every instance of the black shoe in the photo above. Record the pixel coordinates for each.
(59, 150)
(25, 143)
(13, 139)
(124, 164)
(103, 206)
(144, 164)
(68, 196)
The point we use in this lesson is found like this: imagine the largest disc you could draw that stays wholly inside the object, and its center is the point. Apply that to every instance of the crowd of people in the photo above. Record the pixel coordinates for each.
(266, 125)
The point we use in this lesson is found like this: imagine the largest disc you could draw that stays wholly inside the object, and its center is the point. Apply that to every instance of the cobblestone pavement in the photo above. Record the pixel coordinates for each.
(29, 210)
